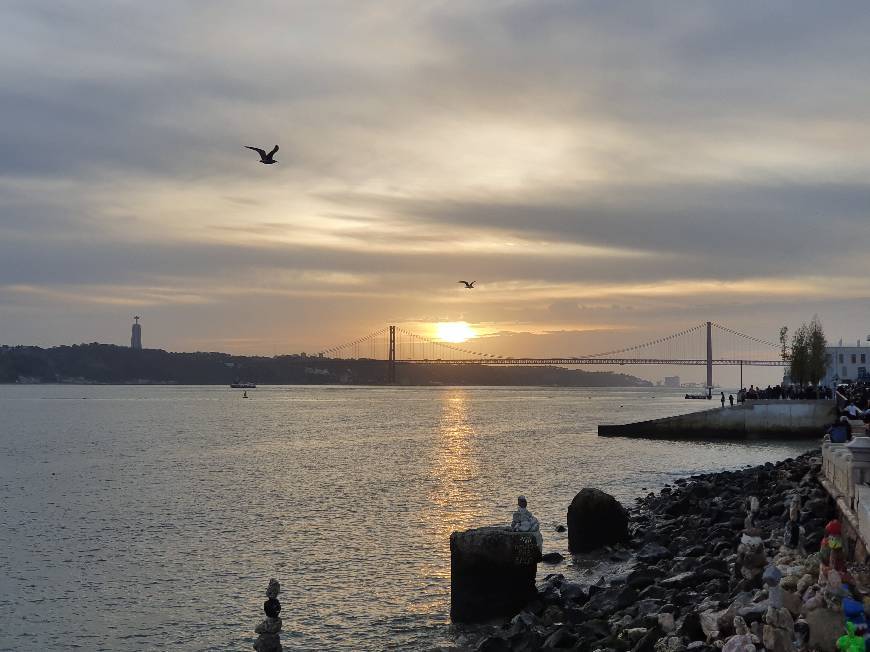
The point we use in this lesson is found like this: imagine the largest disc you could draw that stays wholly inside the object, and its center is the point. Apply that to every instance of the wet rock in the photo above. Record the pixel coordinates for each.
(573, 592)
(593, 629)
(632, 635)
(669, 644)
(689, 627)
(562, 638)
(666, 622)
(595, 519)
(652, 552)
(679, 581)
(610, 600)
(640, 579)
(560, 528)
(552, 558)
(527, 641)
(493, 644)
(647, 643)
(656, 592)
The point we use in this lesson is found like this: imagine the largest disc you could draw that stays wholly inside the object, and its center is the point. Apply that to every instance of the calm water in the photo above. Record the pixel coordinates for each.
(147, 518)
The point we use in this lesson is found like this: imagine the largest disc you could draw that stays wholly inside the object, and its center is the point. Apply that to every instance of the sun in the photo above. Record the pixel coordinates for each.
(454, 331)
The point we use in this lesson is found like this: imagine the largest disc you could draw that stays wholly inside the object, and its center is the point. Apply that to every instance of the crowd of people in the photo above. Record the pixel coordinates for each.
(853, 401)
(780, 392)
(857, 393)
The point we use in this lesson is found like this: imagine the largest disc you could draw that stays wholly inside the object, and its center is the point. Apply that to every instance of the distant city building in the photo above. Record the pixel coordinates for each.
(845, 363)
(136, 339)
(672, 381)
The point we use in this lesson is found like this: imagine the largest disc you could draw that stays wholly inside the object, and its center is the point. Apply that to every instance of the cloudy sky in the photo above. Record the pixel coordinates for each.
(609, 172)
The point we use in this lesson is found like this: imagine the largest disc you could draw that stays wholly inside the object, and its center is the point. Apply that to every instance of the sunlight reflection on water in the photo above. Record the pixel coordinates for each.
(152, 517)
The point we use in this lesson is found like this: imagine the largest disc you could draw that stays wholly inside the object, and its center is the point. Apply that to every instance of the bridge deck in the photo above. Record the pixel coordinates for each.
(598, 361)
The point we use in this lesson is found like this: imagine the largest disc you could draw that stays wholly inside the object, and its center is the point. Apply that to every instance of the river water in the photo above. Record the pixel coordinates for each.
(151, 518)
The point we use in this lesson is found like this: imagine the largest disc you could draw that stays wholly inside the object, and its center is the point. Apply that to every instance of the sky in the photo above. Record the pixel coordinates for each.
(608, 172)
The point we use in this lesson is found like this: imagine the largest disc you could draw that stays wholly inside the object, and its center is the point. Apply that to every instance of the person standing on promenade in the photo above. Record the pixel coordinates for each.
(731, 399)
(723, 399)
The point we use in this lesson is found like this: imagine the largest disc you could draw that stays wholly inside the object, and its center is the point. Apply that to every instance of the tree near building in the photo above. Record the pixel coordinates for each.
(817, 345)
(807, 354)
(783, 342)
(800, 355)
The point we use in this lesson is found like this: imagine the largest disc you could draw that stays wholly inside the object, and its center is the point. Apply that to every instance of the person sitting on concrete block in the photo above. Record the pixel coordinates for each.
(523, 521)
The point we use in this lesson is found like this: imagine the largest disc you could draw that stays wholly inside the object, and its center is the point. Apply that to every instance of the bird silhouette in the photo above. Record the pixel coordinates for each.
(265, 158)
(468, 286)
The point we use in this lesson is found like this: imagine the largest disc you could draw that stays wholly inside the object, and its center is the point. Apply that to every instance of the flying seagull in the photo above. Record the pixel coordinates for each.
(266, 159)
(468, 286)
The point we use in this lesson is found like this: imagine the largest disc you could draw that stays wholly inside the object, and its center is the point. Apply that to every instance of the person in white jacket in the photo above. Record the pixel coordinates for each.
(523, 521)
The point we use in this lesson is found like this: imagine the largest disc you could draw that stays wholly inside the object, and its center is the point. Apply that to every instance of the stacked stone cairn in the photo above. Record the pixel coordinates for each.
(708, 570)
(269, 629)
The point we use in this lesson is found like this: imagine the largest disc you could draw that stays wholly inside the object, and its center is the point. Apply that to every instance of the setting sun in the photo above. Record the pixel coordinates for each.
(454, 331)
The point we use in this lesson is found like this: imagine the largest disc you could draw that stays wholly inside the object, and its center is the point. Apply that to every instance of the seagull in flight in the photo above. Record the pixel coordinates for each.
(265, 158)
(468, 286)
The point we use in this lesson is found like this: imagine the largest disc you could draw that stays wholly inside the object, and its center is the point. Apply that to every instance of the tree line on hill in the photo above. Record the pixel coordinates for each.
(110, 364)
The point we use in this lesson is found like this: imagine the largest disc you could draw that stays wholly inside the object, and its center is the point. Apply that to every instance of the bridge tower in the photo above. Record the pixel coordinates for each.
(391, 364)
(709, 359)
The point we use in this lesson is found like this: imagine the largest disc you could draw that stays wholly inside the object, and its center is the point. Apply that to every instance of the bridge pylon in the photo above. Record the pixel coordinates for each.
(391, 362)
(709, 359)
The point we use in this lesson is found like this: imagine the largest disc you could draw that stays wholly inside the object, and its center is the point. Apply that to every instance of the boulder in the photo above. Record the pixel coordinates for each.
(492, 573)
(595, 519)
(826, 626)
(653, 552)
(552, 558)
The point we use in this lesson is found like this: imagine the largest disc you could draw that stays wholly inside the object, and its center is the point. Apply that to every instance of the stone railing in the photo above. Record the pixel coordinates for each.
(847, 466)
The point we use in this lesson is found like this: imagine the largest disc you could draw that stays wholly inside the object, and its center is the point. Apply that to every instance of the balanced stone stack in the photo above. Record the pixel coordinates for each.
(269, 630)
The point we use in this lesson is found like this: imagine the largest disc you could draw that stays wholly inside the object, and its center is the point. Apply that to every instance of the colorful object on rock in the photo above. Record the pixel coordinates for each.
(832, 557)
(853, 610)
(850, 642)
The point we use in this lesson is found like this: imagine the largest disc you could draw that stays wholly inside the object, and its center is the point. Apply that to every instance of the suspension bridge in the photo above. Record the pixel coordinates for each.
(689, 347)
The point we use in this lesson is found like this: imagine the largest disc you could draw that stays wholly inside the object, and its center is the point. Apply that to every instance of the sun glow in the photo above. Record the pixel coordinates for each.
(454, 331)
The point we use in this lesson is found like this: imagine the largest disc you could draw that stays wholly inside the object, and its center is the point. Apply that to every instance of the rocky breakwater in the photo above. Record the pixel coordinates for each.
(712, 569)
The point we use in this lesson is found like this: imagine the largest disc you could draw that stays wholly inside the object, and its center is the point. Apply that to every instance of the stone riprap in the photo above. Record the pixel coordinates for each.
(492, 572)
(686, 590)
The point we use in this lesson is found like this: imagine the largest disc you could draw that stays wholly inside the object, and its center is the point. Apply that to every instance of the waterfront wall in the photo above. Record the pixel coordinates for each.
(753, 419)
(845, 474)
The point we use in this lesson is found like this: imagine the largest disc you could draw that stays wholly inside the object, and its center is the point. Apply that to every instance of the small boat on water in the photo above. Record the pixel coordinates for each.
(697, 396)
(238, 385)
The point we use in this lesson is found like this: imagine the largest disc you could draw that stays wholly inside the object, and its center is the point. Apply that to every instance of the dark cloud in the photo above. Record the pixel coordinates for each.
(709, 141)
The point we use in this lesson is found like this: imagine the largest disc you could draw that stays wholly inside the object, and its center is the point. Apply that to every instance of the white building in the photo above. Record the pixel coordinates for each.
(846, 363)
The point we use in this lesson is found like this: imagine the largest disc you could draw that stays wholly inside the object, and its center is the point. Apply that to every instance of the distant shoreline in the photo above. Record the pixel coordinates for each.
(106, 364)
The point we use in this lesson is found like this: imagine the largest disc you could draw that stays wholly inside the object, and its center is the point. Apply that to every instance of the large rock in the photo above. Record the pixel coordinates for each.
(826, 626)
(492, 573)
(595, 519)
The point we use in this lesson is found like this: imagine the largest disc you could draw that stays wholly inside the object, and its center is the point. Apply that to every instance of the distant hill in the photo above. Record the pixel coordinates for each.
(109, 364)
